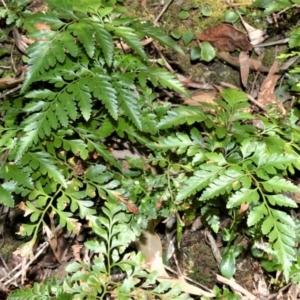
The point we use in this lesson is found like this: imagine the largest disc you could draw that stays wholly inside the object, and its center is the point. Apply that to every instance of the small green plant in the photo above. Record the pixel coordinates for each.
(109, 271)
(232, 163)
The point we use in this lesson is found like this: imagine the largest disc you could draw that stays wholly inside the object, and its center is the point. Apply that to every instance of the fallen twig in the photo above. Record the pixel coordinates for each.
(214, 248)
(236, 287)
(162, 12)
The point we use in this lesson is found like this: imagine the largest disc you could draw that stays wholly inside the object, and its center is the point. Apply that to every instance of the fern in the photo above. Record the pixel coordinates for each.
(236, 166)
(97, 277)
(47, 290)
(181, 115)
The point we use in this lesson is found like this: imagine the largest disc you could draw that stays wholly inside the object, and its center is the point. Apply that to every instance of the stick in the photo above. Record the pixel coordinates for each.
(162, 12)
(235, 286)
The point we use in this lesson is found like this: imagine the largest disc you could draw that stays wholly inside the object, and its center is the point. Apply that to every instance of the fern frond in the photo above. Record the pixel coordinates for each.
(222, 185)
(103, 152)
(67, 43)
(257, 214)
(166, 79)
(242, 196)
(129, 102)
(282, 236)
(50, 18)
(6, 197)
(281, 200)
(78, 147)
(130, 37)
(278, 184)
(85, 34)
(179, 142)
(181, 115)
(25, 142)
(157, 34)
(197, 182)
(105, 41)
(15, 173)
(45, 166)
(102, 89)
(279, 161)
(41, 57)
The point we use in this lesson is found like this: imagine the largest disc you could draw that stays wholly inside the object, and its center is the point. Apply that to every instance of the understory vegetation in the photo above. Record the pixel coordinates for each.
(92, 86)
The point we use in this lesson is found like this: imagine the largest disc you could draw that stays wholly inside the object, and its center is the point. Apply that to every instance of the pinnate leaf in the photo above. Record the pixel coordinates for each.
(6, 197)
(103, 90)
(221, 185)
(166, 79)
(157, 34)
(181, 115)
(280, 184)
(281, 200)
(257, 214)
(129, 102)
(105, 41)
(130, 37)
(85, 35)
(196, 183)
(42, 161)
(242, 196)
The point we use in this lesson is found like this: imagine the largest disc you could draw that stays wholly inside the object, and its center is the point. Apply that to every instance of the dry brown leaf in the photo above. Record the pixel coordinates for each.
(150, 245)
(267, 90)
(256, 36)
(245, 67)
(76, 252)
(225, 37)
(255, 65)
(207, 96)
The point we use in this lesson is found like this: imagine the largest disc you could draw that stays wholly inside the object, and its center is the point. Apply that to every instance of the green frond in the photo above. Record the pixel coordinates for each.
(282, 236)
(85, 35)
(129, 36)
(196, 183)
(102, 89)
(281, 200)
(182, 115)
(128, 100)
(66, 40)
(78, 147)
(242, 196)
(41, 57)
(45, 165)
(15, 173)
(257, 214)
(224, 184)
(157, 34)
(179, 142)
(104, 152)
(166, 80)
(25, 142)
(6, 197)
(105, 42)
